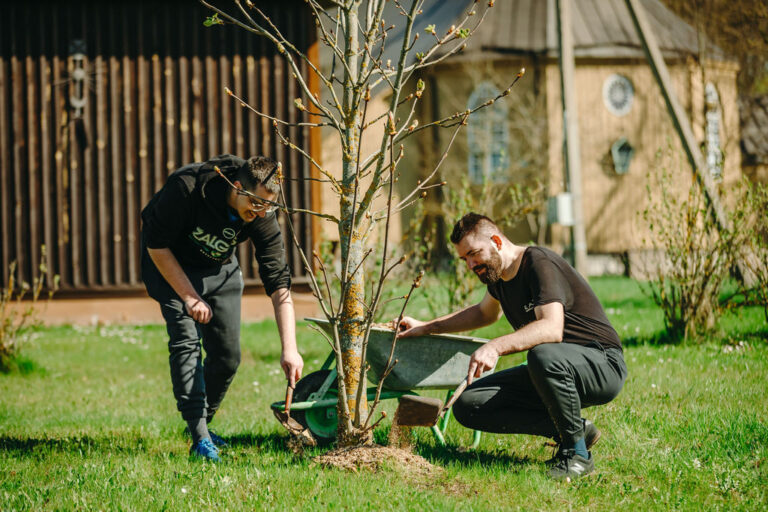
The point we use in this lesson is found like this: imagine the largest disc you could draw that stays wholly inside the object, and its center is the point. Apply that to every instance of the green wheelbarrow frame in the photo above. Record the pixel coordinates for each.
(442, 366)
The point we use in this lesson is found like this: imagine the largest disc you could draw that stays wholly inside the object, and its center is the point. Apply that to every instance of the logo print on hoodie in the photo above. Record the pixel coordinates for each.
(212, 245)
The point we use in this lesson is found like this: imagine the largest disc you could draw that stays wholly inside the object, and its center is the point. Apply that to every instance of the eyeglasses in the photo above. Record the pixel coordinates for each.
(258, 204)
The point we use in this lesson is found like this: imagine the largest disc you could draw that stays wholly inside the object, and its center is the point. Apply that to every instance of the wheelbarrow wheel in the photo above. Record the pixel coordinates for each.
(321, 421)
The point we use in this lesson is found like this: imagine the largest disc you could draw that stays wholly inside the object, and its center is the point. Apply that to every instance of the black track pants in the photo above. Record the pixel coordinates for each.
(200, 385)
(545, 396)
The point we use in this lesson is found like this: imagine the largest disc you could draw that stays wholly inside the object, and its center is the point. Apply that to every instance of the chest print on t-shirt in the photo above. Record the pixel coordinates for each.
(528, 307)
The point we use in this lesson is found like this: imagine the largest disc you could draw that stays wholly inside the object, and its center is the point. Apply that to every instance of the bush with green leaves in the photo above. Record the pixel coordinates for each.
(19, 310)
(698, 253)
(754, 253)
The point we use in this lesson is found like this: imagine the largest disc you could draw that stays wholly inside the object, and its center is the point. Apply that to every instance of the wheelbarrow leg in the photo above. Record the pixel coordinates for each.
(442, 425)
(475, 439)
(447, 416)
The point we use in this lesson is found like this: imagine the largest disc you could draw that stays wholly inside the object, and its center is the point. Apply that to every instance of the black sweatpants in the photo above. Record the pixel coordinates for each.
(200, 385)
(545, 396)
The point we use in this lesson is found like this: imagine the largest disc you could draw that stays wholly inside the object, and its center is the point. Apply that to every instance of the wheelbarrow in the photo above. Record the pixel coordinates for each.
(437, 361)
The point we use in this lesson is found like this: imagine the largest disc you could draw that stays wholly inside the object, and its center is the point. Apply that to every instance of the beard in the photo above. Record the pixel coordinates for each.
(492, 269)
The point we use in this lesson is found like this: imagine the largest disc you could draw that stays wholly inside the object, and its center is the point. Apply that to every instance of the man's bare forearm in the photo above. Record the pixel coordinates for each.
(466, 319)
(170, 269)
(525, 338)
(285, 318)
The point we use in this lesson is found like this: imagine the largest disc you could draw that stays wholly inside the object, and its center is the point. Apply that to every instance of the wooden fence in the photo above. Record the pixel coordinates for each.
(100, 101)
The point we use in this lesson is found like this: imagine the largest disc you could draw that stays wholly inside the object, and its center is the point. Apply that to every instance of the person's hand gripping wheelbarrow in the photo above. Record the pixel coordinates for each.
(292, 369)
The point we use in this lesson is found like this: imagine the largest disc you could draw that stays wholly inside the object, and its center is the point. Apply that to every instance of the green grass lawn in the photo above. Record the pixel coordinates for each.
(93, 426)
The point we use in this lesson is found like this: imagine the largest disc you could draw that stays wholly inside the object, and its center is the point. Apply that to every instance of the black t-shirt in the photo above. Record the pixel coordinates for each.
(545, 277)
(191, 217)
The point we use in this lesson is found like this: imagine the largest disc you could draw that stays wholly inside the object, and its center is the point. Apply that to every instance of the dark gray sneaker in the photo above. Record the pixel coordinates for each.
(591, 436)
(570, 466)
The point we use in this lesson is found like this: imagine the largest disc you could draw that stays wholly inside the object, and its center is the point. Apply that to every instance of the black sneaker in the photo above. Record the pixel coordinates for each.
(591, 436)
(570, 466)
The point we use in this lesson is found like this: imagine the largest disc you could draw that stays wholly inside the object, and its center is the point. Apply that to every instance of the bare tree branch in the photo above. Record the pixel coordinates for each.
(390, 363)
(281, 48)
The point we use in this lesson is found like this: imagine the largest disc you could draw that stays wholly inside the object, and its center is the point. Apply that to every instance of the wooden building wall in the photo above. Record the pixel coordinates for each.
(154, 78)
(613, 203)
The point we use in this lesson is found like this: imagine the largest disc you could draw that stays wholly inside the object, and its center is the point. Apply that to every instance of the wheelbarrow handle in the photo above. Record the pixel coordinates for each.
(456, 394)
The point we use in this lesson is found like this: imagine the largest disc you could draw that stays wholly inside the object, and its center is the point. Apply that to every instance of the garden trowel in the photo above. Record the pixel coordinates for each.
(297, 430)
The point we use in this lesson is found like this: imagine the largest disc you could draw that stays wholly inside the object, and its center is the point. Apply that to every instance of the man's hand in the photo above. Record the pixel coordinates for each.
(199, 310)
(411, 327)
(482, 360)
(292, 365)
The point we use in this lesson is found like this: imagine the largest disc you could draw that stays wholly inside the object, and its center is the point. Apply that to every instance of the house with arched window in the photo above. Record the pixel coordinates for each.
(625, 129)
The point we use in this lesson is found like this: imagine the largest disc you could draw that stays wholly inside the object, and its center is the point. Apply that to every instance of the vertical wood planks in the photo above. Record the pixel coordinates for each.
(5, 154)
(154, 101)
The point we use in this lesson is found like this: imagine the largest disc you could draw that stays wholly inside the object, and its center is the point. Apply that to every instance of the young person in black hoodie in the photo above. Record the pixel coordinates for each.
(191, 228)
(574, 359)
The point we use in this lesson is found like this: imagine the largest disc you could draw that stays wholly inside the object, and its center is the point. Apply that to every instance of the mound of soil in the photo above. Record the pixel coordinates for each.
(375, 458)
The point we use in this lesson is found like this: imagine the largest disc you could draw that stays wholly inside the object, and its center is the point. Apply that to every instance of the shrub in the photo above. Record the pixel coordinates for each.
(698, 254)
(754, 253)
(20, 317)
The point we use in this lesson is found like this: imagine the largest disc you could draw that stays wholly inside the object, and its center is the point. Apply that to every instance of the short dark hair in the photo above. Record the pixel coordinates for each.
(471, 223)
(259, 170)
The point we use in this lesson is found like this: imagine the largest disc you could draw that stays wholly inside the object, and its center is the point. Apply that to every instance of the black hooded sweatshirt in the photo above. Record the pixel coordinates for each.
(191, 217)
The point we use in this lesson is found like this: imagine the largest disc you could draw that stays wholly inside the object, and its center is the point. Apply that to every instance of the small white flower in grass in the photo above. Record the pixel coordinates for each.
(696, 463)
(653, 386)
(661, 360)
(183, 490)
(255, 383)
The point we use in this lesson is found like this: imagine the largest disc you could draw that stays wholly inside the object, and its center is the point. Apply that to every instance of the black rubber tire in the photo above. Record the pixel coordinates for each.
(304, 388)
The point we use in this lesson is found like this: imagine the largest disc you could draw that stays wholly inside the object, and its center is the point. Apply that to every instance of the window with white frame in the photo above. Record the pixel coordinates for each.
(713, 120)
(488, 137)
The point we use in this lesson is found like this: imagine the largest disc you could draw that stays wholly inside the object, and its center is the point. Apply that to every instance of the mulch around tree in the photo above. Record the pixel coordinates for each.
(375, 458)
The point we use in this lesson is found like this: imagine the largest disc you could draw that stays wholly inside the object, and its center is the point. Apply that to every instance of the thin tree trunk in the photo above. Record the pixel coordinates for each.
(351, 324)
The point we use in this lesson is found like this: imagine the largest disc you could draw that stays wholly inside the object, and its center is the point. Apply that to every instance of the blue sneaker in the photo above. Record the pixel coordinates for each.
(218, 441)
(205, 450)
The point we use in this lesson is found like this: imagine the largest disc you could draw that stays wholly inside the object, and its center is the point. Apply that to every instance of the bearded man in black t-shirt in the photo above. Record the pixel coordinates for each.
(574, 359)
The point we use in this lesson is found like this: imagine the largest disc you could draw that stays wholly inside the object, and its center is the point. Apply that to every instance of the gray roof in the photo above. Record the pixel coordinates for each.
(601, 28)
(754, 129)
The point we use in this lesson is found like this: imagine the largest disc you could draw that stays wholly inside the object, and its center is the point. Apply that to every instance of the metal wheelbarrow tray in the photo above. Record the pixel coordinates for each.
(437, 361)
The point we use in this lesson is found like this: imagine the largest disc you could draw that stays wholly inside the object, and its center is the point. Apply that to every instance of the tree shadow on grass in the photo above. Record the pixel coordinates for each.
(448, 455)
(73, 444)
(43, 446)
(273, 441)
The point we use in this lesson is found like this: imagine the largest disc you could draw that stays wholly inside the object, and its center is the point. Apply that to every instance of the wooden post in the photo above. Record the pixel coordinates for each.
(676, 112)
(315, 144)
(680, 119)
(571, 133)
